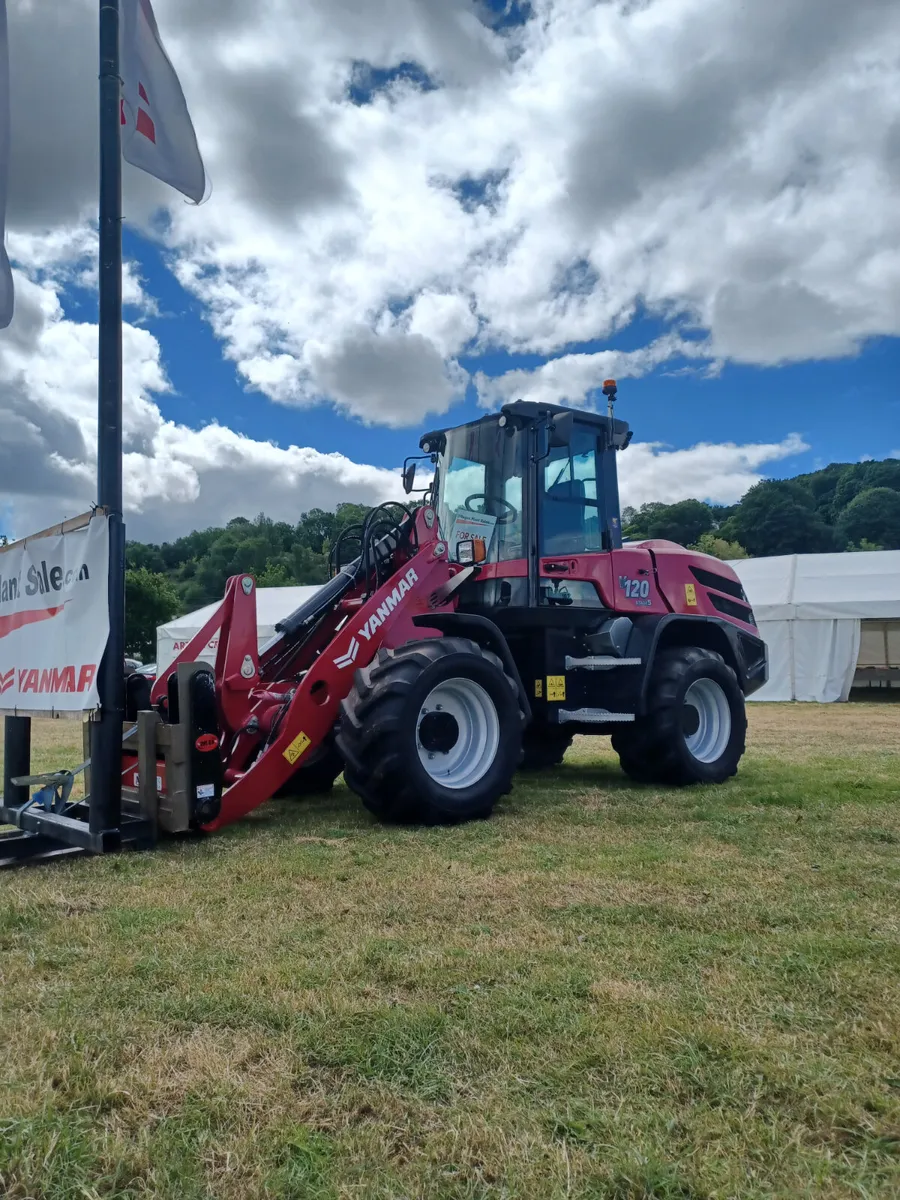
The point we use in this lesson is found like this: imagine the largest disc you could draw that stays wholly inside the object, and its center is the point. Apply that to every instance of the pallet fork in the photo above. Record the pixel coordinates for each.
(168, 783)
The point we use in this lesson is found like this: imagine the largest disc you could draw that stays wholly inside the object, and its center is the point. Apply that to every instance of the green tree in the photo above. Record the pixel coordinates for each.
(307, 566)
(138, 555)
(872, 516)
(822, 486)
(860, 477)
(276, 552)
(778, 516)
(718, 547)
(721, 512)
(275, 575)
(629, 516)
(636, 521)
(684, 522)
(150, 601)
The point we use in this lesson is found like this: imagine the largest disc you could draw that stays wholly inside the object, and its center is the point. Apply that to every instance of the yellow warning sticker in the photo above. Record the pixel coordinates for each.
(556, 687)
(538, 689)
(298, 746)
(690, 595)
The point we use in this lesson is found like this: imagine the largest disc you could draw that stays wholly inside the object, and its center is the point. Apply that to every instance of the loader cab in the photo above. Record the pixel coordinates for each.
(530, 482)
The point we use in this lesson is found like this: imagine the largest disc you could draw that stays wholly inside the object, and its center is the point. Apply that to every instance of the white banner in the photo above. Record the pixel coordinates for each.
(54, 618)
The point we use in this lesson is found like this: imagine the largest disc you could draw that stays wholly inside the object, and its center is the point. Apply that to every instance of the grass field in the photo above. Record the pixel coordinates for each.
(606, 991)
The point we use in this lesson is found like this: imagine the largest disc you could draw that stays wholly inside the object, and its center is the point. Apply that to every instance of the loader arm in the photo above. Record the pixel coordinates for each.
(301, 721)
(276, 706)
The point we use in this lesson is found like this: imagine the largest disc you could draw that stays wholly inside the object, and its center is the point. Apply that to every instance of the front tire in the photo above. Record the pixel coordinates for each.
(431, 733)
(695, 729)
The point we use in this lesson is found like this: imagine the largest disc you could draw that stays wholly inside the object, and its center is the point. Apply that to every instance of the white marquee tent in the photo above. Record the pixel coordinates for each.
(814, 612)
(272, 606)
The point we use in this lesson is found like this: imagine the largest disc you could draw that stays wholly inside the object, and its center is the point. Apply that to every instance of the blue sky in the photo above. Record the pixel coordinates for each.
(845, 409)
(419, 212)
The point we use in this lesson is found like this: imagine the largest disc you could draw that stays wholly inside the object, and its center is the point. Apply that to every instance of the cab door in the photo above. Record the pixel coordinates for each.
(572, 524)
(581, 562)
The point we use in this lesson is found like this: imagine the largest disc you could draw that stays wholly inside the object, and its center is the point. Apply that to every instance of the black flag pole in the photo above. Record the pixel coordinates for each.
(106, 756)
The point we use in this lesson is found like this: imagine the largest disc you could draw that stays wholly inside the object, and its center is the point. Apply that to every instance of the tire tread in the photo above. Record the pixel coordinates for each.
(651, 750)
(375, 721)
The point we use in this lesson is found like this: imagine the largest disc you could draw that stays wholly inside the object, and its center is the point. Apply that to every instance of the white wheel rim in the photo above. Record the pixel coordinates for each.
(708, 742)
(469, 759)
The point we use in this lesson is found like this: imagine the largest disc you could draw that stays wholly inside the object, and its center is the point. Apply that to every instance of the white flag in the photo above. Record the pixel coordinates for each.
(157, 133)
(6, 283)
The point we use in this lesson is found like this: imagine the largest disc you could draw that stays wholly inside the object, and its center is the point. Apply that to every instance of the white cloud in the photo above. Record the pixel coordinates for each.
(719, 473)
(176, 478)
(730, 169)
(445, 319)
(571, 378)
(393, 378)
(730, 166)
(68, 255)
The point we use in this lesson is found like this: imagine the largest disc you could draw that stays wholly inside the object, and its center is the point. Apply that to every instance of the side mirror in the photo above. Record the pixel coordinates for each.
(561, 429)
(409, 477)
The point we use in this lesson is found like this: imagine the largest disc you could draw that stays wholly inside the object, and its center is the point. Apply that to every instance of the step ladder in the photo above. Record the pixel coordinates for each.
(593, 716)
(600, 662)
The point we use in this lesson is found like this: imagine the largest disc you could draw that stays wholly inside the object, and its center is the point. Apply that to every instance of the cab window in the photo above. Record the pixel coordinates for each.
(570, 517)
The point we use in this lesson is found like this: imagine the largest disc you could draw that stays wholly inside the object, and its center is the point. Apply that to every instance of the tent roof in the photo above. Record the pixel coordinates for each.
(822, 586)
(272, 605)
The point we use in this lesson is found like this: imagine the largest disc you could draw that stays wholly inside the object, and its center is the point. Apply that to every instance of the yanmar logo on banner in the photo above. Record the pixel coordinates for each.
(54, 617)
(49, 681)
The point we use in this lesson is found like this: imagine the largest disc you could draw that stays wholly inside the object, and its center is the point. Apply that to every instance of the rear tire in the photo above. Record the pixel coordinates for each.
(544, 746)
(695, 730)
(431, 733)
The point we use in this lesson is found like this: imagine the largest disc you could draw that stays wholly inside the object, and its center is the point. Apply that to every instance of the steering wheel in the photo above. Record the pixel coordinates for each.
(506, 519)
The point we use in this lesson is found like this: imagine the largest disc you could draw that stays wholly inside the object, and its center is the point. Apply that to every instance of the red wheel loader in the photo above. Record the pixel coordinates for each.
(464, 638)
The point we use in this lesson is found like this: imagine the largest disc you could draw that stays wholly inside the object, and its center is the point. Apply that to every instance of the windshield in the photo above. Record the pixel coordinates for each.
(480, 488)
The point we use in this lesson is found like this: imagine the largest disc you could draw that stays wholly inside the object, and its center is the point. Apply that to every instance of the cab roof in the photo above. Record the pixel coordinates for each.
(529, 412)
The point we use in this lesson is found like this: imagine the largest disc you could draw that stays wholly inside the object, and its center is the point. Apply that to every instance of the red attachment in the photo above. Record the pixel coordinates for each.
(276, 710)
(302, 723)
(237, 658)
(194, 648)
(131, 776)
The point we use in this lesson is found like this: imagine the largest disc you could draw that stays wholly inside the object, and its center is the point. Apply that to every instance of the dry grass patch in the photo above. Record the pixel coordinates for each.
(810, 730)
(607, 991)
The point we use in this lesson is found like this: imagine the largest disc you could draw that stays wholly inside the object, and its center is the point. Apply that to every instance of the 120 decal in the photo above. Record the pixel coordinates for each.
(636, 589)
